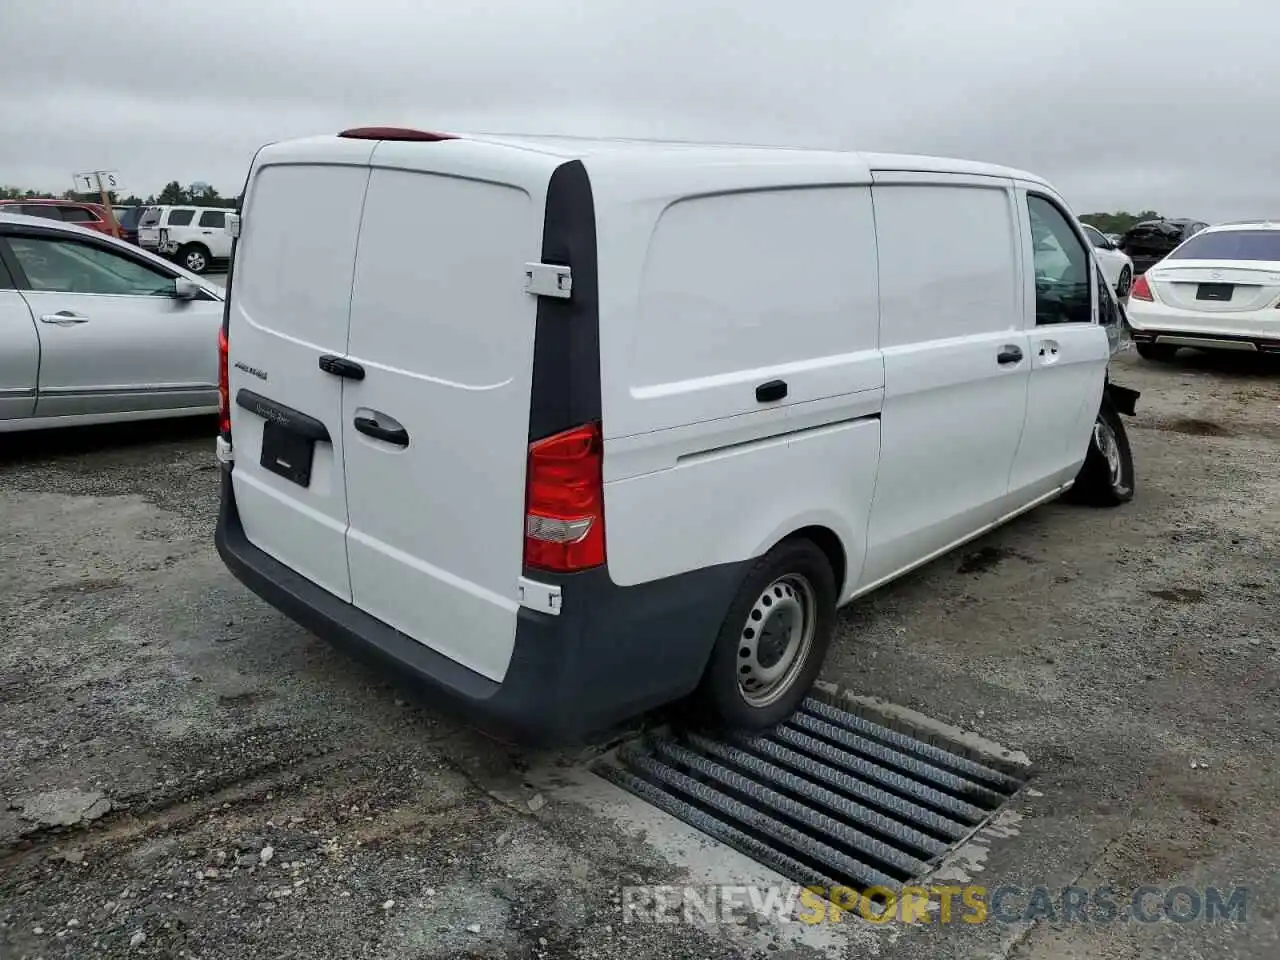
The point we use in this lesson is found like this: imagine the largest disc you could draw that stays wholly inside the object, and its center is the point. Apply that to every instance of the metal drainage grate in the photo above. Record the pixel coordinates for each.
(829, 798)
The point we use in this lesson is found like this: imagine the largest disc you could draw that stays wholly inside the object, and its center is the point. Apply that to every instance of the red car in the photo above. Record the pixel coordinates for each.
(91, 215)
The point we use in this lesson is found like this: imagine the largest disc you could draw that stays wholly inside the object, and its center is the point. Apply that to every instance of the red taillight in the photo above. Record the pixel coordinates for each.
(1141, 289)
(224, 387)
(564, 501)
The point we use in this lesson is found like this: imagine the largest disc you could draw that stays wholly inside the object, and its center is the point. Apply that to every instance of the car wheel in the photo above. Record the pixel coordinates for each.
(1106, 478)
(1163, 352)
(774, 639)
(194, 257)
(1125, 283)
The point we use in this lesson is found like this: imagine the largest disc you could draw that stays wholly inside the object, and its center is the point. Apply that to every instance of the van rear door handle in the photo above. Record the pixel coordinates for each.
(372, 428)
(341, 367)
(1009, 353)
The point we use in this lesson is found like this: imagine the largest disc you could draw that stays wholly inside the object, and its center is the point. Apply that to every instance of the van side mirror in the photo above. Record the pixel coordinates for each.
(184, 289)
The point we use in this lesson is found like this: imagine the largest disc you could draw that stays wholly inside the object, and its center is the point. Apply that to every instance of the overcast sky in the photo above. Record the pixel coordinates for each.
(1121, 103)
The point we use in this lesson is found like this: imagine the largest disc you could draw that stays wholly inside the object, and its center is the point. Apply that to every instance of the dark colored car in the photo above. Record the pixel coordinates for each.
(1149, 242)
(128, 218)
(92, 216)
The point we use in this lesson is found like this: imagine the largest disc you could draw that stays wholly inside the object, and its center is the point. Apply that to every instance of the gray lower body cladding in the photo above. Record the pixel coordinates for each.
(612, 653)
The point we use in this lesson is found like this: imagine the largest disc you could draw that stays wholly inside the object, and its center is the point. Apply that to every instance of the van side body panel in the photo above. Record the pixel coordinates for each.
(951, 306)
(1068, 372)
(765, 284)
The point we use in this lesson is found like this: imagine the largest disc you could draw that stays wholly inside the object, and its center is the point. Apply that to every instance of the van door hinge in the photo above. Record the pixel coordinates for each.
(548, 280)
(539, 596)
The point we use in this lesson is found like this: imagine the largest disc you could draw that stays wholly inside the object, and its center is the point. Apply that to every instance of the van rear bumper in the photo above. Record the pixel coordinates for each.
(612, 652)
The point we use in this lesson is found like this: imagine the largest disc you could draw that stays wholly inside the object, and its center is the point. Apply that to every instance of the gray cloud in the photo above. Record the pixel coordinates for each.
(1129, 104)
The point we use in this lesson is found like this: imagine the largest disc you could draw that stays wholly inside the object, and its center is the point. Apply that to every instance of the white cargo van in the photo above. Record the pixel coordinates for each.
(570, 429)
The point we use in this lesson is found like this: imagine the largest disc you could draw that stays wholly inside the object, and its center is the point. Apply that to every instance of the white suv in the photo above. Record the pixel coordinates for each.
(192, 236)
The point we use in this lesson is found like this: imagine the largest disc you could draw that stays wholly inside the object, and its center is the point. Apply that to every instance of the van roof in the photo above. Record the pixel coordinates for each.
(574, 147)
(676, 152)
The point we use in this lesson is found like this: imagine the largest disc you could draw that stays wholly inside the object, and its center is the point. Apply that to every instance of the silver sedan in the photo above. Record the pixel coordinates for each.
(94, 330)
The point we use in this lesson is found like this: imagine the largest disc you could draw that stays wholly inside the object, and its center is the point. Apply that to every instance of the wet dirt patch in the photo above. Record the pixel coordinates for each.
(987, 558)
(1194, 427)
(1178, 595)
(79, 587)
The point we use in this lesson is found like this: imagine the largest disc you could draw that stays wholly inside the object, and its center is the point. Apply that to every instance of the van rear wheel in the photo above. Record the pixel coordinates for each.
(774, 639)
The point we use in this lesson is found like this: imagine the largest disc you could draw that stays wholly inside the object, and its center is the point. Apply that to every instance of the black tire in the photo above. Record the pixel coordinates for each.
(1125, 283)
(1160, 352)
(758, 624)
(1102, 482)
(194, 257)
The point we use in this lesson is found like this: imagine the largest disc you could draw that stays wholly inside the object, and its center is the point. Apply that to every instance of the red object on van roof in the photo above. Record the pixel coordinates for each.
(394, 133)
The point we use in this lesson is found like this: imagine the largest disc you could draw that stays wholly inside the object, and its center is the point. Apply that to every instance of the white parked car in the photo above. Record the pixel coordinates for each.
(92, 330)
(569, 429)
(194, 237)
(1218, 290)
(1115, 263)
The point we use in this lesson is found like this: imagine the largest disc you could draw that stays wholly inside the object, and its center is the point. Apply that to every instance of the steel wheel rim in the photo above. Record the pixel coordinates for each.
(1104, 438)
(775, 640)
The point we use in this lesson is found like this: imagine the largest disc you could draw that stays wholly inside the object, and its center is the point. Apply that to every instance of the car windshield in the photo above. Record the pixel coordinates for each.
(1231, 245)
(1095, 237)
(127, 217)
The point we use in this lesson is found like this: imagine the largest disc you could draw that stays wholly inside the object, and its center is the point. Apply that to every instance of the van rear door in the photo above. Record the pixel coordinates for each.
(289, 307)
(436, 433)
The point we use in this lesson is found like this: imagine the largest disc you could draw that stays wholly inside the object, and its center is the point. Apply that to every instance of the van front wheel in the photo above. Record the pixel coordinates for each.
(774, 639)
(1106, 478)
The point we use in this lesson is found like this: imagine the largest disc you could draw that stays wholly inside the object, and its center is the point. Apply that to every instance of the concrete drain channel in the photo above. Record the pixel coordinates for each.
(831, 798)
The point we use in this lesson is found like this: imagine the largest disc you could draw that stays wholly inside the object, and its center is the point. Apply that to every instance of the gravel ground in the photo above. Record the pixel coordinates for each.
(187, 773)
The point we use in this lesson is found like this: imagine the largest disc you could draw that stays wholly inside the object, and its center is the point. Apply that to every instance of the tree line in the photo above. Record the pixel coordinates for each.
(173, 194)
(1118, 222)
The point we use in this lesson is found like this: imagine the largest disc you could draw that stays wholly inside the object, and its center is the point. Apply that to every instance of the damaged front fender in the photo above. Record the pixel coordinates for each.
(1123, 399)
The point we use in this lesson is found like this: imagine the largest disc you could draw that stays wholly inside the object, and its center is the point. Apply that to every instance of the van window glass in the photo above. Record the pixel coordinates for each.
(948, 262)
(1062, 268)
(68, 266)
(213, 218)
(180, 218)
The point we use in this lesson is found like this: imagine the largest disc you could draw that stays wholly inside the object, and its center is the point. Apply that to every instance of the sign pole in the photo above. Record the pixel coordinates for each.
(106, 205)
